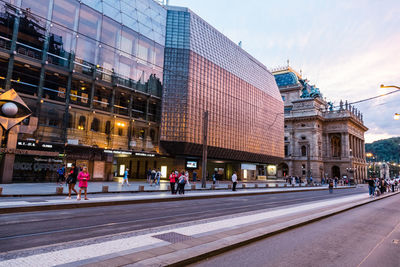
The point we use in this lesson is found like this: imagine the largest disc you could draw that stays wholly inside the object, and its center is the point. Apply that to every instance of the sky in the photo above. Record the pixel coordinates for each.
(347, 48)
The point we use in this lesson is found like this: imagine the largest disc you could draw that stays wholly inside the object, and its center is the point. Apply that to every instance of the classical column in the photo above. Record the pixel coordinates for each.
(345, 144)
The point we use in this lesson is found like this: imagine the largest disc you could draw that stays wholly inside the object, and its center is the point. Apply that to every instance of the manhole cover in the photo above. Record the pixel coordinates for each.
(396, 241)
(173, 237)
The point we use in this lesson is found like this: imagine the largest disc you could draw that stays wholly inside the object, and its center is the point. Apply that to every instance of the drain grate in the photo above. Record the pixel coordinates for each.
(173, 237)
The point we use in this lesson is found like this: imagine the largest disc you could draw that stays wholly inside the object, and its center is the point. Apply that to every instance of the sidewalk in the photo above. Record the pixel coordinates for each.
(40, 203)
(49, 189)
(183, 243)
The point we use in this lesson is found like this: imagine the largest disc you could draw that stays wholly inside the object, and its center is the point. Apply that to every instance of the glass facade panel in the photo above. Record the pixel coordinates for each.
(110, 32)
(55, 86)
(25, 78)
(80, 93)
(89, 22)
(65, 13)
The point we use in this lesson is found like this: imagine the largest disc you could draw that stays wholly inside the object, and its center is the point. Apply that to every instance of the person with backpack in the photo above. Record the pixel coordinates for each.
(181, 183)
(153, 177)
(71, 180)
(214, 177)
(172, 181)
(330, 186)
(83, 178)
(61, 175)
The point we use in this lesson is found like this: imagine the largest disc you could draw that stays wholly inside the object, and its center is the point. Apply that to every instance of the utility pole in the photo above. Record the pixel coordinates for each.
(204, 160)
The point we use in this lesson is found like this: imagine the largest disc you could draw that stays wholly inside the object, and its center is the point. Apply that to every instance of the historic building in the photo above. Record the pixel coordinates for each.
(321, 140)
(103, 95)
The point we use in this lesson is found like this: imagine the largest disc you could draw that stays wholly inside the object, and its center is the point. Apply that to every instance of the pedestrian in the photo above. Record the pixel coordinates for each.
(371, 187)
(61, 175)
(214, 177)
(83, 178)
(126, 177)
(71, 180)
(194, 176)
(336, 181)
(172, 181)
(153, 177)
(234, 181)
(181, 183)
(330, 186)
(158, 176)
(148, 175)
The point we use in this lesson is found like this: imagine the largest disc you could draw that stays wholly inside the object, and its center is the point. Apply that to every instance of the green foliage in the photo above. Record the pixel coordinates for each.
(385, 150)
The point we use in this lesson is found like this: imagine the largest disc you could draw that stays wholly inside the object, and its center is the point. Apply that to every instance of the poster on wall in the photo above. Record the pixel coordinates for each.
(98, 169)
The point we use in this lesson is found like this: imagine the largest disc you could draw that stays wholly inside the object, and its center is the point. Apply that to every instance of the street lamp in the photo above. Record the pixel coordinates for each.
(390, 86)
(396, 116)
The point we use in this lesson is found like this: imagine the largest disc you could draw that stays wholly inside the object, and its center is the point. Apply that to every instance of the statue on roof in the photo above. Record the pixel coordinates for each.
(330, 106)
(315, 92)
(304, 91)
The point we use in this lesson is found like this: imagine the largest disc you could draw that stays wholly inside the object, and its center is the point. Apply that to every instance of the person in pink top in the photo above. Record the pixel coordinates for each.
(83, 178)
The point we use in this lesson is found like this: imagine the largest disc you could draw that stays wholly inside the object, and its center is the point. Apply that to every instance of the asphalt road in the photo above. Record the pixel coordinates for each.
(365, 236)
(28, 230)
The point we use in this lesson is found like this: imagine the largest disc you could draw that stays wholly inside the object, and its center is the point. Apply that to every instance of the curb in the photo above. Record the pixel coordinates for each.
(282, 229)
(140, 201)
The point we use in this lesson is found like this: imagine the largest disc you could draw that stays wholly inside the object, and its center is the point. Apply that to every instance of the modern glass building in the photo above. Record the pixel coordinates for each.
(92, 73)
(205, 71)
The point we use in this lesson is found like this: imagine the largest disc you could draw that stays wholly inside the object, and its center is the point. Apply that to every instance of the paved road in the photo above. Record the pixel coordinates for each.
(27, 230)
(360, 237)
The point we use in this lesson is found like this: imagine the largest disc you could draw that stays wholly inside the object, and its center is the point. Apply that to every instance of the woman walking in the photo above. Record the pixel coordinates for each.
(126, 178)
(83, 179)
(172, 181)
(71, 180)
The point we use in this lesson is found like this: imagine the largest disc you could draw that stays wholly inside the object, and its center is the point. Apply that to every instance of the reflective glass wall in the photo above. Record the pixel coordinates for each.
(205, 71)
(103, 58)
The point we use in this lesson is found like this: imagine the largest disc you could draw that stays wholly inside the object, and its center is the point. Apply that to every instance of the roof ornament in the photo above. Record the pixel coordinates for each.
(347, 105)
(341, 105)
(330, 105)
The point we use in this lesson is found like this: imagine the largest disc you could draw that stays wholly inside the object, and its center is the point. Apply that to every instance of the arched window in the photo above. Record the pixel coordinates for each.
(70, 121)
(303, 151)
(152, 134)
(107, 129)
(82, 123)
(95, 125)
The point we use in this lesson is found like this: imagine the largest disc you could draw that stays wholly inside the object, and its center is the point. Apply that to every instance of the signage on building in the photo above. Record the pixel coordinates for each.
(119, 152)
(140, 154)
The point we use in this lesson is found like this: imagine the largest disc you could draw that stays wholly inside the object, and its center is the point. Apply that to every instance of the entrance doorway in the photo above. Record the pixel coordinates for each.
(283, 170)
(335, 172)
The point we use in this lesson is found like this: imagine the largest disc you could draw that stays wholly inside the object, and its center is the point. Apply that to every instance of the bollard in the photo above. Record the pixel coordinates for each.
(213, 187)
(292, 185)
(141, 188)
(168, 187)
(276, 185)
(59, 190)
(1, 190)
(266, 185)
(193, 187)
(243, 186)
(285, 185)
(104, 189)
(256, 186)
(229, 186)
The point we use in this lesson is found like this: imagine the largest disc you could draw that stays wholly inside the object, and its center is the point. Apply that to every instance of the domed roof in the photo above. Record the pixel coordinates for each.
(286, 79)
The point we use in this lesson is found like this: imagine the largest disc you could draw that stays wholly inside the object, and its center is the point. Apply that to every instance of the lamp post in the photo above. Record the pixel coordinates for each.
(396, 116)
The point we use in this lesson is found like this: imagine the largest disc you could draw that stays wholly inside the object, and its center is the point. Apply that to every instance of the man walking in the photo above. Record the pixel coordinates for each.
(234, 181)
(371, 187)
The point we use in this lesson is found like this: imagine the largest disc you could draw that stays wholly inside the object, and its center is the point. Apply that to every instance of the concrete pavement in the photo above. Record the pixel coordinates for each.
(188, 242)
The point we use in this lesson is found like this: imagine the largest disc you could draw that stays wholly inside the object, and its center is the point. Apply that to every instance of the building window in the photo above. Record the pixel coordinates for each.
(70, 121)
(303, 151)
(303, 138)
(95, 125)
(286, 150)
(286, 138)
(335, 146)
(82, 123)
(283, 98)
(120, 131)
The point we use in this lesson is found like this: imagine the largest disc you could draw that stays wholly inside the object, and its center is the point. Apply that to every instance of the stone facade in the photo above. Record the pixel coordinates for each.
(321, 141)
